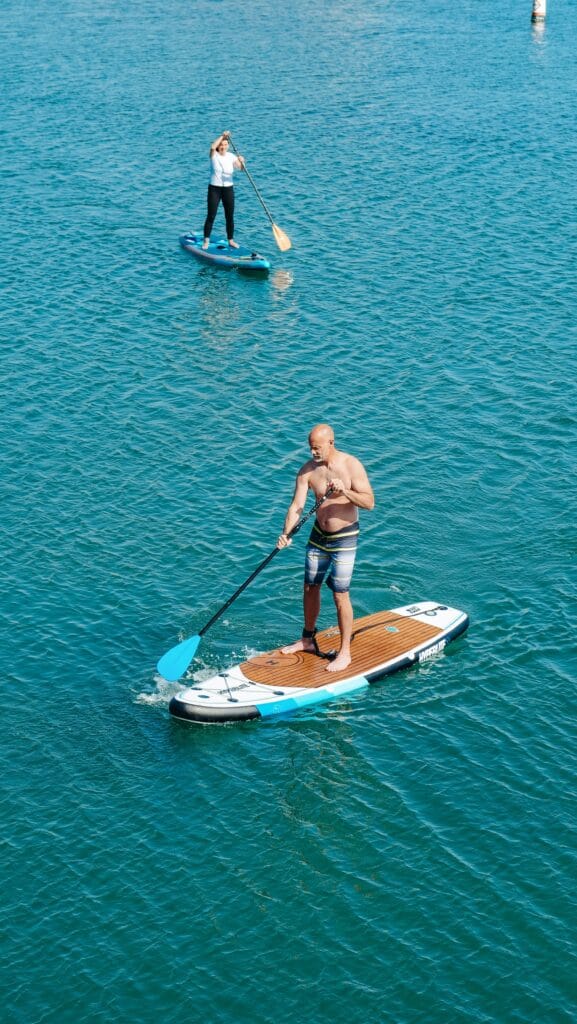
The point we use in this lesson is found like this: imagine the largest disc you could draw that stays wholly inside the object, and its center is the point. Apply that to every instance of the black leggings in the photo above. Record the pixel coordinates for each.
(215, 194)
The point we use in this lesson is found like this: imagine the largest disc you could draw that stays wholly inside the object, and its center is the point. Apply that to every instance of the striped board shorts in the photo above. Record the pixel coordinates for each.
(332, 552)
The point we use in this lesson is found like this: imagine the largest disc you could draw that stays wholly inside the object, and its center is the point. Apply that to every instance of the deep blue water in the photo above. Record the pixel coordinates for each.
(403, 856)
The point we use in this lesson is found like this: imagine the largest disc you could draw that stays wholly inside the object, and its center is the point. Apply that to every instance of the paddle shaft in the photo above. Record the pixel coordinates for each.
(250, 178)
(262, 565)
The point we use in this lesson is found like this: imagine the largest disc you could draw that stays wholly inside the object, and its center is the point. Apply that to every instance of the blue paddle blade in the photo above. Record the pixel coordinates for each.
(175, 662)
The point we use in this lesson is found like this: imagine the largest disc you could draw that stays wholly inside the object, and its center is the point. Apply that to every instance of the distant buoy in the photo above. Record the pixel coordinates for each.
(539, 10)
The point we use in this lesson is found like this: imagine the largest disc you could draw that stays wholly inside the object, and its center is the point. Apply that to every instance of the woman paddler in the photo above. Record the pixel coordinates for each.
(223, 165)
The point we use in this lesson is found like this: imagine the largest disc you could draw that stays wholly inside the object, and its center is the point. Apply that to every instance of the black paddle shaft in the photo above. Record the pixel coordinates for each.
(262, 565)
(251, 179)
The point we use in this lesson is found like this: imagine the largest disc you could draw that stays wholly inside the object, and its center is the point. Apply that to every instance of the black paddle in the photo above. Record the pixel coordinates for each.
(175, 662)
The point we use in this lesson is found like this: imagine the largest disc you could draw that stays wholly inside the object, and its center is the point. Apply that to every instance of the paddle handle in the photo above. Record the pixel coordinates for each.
(262, 565)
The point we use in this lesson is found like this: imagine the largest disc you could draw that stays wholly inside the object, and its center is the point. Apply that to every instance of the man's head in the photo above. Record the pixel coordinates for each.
(321, 442)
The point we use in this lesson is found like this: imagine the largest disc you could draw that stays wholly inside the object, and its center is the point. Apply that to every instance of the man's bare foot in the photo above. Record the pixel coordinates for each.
(205, 243)
(299, 645)
(232, 244)
(342, 660)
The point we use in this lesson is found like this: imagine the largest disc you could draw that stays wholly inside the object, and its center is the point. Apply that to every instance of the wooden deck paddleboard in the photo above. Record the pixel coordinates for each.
(274, 683)
(220, 254)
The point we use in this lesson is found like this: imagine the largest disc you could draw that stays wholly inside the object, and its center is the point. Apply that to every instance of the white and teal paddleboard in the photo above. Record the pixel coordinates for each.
(277, 684)
(220, 254)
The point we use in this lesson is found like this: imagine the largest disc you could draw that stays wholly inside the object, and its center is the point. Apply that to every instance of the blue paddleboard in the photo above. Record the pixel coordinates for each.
(220, 254)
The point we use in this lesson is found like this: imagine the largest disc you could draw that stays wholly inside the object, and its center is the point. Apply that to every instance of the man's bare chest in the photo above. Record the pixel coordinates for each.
(322, 476)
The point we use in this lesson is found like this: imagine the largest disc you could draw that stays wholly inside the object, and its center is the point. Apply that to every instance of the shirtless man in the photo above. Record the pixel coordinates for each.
(333, 540)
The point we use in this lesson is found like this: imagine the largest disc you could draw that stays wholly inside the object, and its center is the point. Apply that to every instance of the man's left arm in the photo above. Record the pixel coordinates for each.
(360, 493)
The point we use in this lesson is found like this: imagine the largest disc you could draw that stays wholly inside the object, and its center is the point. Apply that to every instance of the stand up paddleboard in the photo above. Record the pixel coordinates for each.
(276, 683)
(220, 254)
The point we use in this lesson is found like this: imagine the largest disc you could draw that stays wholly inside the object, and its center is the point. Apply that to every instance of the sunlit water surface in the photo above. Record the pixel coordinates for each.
(407, 855)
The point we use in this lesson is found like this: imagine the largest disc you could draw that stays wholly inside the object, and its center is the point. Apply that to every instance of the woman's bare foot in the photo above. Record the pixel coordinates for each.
(205, 244)
(304, 644)
(342, 660)
(232, 244)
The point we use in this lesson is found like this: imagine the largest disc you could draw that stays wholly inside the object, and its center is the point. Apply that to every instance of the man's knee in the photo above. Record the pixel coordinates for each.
(311, 588)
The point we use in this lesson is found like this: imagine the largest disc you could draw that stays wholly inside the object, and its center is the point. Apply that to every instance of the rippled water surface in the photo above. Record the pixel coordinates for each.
(404, 856)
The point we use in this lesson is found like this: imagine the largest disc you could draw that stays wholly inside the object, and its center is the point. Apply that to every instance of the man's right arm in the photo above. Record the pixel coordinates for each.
(295, 509)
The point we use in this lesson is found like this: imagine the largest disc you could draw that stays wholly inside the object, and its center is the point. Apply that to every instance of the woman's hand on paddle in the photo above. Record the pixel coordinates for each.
(283, 541)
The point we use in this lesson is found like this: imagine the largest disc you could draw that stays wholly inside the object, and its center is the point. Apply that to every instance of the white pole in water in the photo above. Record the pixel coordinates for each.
(539, 10)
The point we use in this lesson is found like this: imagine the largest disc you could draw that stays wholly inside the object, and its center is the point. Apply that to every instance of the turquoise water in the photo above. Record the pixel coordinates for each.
(404, 856)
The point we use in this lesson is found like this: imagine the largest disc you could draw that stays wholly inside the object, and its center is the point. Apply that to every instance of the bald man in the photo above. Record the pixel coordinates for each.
(332, 544)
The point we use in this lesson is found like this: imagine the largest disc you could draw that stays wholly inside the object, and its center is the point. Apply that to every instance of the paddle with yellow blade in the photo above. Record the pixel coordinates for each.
(282, 240)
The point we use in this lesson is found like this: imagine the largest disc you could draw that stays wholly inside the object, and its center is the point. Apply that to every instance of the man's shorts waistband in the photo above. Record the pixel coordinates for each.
(338, 540)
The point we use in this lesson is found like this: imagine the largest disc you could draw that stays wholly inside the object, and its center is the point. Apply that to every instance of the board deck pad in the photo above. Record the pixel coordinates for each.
(219, 253)
(375, 638)
(274, 683)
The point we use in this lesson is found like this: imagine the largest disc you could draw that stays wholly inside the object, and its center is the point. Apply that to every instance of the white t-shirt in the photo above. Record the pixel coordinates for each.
(222, 169)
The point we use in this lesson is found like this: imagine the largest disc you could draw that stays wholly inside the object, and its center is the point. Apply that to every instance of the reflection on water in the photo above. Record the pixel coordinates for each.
(223, 302)
(219, 314)
(282, 279)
